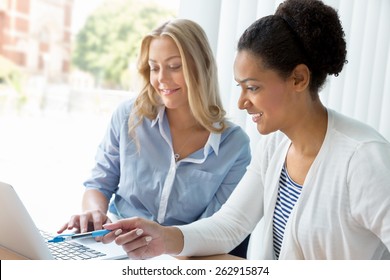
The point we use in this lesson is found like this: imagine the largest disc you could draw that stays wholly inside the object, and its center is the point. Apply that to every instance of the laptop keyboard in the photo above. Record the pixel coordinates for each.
(68, 250)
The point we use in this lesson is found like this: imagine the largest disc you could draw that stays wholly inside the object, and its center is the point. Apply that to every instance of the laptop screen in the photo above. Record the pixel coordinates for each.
(18, 232)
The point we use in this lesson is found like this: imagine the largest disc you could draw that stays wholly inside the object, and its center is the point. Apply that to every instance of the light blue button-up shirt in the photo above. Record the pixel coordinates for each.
(149, 183)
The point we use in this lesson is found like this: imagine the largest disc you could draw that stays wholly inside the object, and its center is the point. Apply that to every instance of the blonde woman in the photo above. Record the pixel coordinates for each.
(170, 155)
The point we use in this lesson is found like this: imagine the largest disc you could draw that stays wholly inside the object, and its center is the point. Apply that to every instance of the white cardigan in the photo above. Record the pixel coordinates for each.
(343, 211)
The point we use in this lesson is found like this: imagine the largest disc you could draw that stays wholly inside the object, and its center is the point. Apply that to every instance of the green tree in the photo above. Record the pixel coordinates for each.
(110, 39)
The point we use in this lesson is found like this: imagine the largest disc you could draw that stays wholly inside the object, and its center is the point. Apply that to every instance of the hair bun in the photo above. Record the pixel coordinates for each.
(319, 29)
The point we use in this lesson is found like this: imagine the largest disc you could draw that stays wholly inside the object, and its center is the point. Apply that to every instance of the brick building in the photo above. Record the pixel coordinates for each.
(36, 35)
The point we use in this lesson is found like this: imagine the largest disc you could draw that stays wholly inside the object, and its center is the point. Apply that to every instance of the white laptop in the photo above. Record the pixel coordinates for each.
(19, 234)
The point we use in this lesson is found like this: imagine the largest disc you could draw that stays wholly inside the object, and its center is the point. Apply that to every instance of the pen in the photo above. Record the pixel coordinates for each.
(71, 236)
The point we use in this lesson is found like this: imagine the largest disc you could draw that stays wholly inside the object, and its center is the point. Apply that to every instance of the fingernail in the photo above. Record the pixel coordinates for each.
(118, 231)
(139, 232)
(148, 238)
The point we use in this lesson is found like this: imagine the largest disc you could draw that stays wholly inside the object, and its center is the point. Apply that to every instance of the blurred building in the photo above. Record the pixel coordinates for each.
(36, 35)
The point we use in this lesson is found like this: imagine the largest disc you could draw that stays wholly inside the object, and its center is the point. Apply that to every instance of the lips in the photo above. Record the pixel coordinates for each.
(256, 117)
(168, 91)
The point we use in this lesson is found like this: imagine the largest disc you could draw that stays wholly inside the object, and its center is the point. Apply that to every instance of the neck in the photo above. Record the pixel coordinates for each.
(181, 119)
(309, 130)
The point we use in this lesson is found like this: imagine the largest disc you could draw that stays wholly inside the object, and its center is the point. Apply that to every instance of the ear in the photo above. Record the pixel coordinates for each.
(301, 77)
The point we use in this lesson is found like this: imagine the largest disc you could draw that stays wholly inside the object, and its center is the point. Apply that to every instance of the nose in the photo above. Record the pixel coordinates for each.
(163, 76)
(243, 103)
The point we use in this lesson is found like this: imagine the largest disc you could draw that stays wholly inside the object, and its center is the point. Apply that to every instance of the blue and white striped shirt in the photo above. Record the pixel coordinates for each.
(288, 195)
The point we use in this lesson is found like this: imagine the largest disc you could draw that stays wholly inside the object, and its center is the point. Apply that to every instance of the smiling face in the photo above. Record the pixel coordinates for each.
(264, 94)
(166, 72)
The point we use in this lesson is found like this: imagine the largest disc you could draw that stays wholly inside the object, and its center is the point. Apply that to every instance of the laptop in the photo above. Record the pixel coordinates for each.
(19, 234)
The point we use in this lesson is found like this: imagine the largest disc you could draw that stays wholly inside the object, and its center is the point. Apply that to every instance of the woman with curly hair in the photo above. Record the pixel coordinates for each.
(170, 155)
(319, 181)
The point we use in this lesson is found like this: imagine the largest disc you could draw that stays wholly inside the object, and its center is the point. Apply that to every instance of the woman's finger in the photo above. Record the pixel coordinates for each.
(138, 248)
(64, 227)
(83, 221)
(128, 237)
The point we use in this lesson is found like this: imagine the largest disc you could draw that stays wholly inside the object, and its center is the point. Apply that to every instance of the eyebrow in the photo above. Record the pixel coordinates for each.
(169, 58)
(246, 80)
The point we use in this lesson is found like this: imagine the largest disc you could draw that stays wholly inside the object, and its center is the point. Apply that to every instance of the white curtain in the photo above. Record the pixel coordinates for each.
(361, 91)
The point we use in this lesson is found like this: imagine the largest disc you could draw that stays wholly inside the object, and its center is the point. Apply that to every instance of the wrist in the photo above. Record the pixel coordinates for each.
(173, 240)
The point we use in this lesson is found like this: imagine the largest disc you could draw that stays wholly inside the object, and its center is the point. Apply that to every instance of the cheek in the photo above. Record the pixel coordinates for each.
(277, 96)
(179, 79)
(153, 81)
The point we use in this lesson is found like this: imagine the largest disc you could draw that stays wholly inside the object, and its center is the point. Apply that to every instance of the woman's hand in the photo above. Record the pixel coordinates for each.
(87, 221)
(144, 239)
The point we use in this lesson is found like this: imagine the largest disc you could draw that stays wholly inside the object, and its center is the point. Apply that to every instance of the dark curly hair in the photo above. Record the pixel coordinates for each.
(300, 32)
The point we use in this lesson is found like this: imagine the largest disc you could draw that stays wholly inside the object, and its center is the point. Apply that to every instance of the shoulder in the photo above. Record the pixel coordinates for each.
(234, 131)
(124, 107)
(122, 111)
(353, 130)
(363, 146)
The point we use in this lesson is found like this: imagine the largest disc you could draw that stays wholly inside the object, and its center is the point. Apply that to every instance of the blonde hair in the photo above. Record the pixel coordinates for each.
(200, 74)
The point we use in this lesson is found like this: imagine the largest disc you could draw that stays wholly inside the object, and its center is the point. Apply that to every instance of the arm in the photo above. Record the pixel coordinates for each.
(94, 200)
(106, 172)
(369, 187)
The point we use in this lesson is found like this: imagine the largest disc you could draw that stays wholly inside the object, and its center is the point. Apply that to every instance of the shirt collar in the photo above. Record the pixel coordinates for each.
(213, 142)
(160, 116)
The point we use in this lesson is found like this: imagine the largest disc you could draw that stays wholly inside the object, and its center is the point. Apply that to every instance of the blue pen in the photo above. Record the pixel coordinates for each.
(71, 236)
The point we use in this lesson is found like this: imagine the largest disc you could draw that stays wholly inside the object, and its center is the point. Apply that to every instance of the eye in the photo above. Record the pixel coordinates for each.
(175, 66)
(153, 68)
(248, 87)
(252, 88)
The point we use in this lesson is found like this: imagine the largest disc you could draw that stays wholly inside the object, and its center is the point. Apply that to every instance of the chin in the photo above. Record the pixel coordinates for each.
(263, 131)
(170, 105)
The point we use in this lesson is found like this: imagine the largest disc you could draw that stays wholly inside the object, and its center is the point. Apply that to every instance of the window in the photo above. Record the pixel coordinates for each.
(53, 112)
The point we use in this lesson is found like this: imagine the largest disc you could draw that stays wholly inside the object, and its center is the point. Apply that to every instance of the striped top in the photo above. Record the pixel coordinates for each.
(288, 195)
